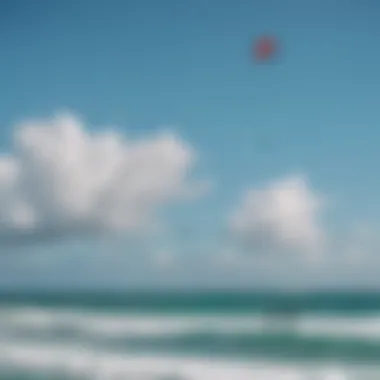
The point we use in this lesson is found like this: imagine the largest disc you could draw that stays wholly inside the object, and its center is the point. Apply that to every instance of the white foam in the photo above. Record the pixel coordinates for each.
(128, 325)
(87, 363)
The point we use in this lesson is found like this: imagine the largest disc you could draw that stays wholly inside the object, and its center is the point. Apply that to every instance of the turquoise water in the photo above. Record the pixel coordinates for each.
(221, 335)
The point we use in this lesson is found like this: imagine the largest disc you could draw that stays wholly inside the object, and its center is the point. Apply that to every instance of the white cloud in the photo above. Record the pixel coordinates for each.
(359, 246)
(227, 258)
(281, 216)
(61, 179)
(163, 258)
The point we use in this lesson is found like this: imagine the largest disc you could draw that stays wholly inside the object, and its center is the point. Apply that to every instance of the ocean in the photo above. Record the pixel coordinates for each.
(190, 336)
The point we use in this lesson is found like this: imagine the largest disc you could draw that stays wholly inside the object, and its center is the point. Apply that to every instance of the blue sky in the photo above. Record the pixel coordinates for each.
(187, 66)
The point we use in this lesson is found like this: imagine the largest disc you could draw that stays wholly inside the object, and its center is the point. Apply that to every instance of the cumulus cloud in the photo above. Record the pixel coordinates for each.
(359, 244)
(60, 180)
(281, 216)
(164, 258)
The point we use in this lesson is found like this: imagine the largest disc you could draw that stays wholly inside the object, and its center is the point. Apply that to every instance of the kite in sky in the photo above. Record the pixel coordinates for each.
(264, 48)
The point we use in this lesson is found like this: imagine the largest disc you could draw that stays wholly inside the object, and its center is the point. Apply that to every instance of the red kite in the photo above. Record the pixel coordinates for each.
(264, 48)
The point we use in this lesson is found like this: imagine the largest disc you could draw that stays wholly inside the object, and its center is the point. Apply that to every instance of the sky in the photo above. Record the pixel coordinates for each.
(142, 145)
